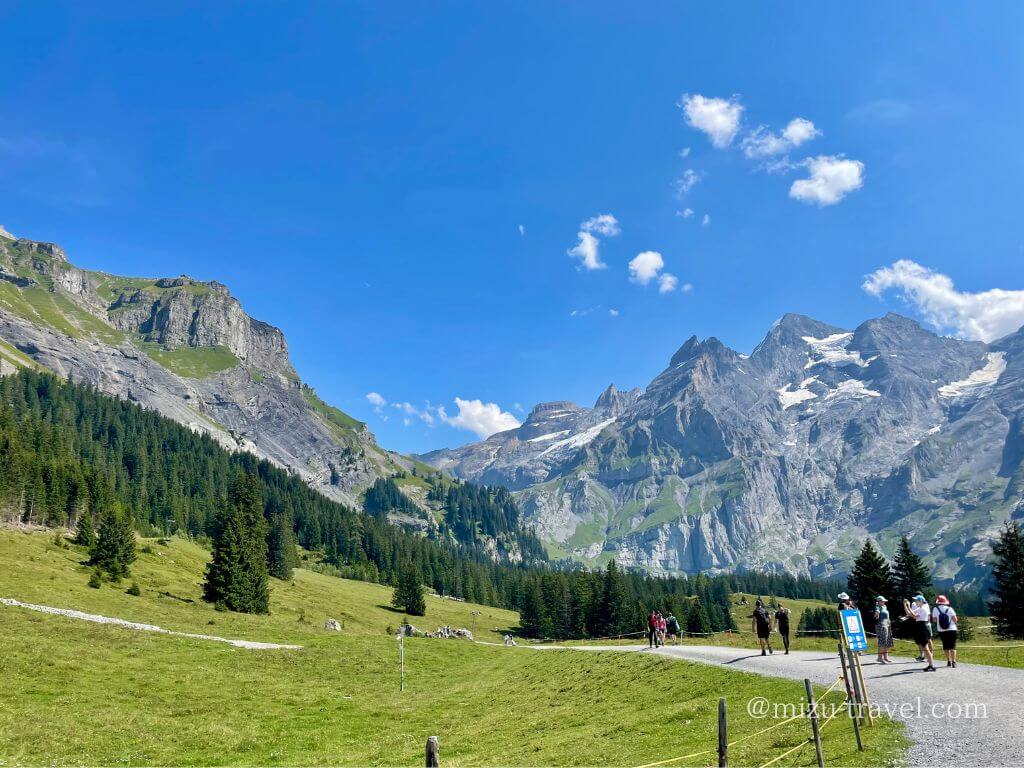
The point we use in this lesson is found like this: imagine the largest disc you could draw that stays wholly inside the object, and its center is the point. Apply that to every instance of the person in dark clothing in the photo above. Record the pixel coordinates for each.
(782, 625)
(652, 630)
(762, 625)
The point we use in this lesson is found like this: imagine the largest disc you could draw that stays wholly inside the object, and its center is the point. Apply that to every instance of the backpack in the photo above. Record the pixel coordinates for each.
(944, 620)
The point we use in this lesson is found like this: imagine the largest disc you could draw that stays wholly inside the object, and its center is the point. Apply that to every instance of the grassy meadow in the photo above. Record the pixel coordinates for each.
(77, 692)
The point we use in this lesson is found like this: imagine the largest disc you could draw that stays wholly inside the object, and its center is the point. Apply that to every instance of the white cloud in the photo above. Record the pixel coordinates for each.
(407, 421)
(522, 231)
(762, 142)
(687, 213)
(603, 224)
(376, 400)
(687, 288)
(613, 312)
(484, 419)
(832, 178)
(718, 118)
(706, 221)
(423, 414)
(645, 267)
(667, 283)
(984, 316)
(687, 181)
(685, 153)
(586, 250)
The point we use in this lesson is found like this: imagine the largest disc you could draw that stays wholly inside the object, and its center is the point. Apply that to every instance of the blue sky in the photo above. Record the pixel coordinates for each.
(358, 174)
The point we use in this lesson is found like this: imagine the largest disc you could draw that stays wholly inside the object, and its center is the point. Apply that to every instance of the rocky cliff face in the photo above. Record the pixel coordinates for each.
(185, 348)
(785, 460)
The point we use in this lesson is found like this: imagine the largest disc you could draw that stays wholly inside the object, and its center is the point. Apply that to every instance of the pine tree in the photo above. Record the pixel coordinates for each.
(870, 577)
(613, 611)
(910, 575)
(85, 536)
(1008, 582)
(408, 594)
(697, 620)
(114, 548)
(281, 554)
(236, 578)
(531, 613)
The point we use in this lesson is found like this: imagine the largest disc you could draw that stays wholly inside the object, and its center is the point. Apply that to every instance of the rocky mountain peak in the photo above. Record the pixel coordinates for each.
(615, 401)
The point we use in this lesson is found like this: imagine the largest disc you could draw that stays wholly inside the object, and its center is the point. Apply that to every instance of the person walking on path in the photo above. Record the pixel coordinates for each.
(662, 628)
(945, 619)
(782, 625)
(883, 629)
(762, 625)
(652, 630)
(921, 615)
(672, 624)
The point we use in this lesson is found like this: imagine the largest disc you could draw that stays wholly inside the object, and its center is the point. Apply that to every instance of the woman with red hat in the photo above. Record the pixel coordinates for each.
(945, 619)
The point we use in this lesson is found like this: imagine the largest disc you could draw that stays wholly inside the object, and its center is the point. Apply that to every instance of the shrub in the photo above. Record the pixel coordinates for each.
(96, 580)
(134, 589)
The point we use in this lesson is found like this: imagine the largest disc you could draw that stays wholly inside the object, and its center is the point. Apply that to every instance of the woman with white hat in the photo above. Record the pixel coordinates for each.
(922, 627)
(945, 619)
(883, 629)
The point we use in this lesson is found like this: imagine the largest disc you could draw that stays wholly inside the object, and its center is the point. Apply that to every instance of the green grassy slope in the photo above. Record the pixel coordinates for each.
(81, 693)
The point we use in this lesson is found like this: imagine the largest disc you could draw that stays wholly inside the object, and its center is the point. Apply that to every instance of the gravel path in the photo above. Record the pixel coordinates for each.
(251, 644)
(934, 706)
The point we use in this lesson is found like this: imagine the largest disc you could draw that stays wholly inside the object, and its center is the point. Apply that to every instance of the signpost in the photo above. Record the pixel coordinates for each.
(853, 630)
(856, 641)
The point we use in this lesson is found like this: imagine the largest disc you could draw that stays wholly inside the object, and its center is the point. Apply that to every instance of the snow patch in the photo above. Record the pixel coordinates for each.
(832, 351)
(551, 436)
(979, 381)
(578, 441)
(851, 388)
(787, 398)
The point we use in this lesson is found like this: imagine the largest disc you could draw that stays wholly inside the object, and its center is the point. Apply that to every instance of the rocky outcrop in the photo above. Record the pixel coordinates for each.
(784, 460)
(187, 313)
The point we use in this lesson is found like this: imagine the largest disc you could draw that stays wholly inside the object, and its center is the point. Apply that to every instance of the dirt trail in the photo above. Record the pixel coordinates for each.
(250, 644)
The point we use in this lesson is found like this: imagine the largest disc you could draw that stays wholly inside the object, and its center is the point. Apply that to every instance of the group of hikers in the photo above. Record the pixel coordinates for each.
(661, 628)
(917, 610)
(764, 621)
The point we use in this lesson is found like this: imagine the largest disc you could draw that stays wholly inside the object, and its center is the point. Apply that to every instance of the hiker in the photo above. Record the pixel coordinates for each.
(509, 640)
(782, 625)
(883, 630)
(652, 630)
(672, 624)
(662, 628)
(846, 603)
(922, 627)
(762, 625)
(945, 620)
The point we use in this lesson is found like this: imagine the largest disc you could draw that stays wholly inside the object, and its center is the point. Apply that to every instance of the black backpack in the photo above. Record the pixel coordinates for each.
(944, 620)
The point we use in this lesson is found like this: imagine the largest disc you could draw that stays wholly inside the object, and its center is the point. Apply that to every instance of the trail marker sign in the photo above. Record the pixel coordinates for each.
(853, 630)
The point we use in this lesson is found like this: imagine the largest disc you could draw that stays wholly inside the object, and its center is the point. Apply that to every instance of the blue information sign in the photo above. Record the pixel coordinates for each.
(853, 630)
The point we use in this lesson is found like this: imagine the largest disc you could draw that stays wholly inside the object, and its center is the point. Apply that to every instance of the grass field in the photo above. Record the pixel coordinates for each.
(82, 693)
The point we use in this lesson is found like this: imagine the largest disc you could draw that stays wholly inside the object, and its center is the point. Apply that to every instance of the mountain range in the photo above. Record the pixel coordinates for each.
(786, 459)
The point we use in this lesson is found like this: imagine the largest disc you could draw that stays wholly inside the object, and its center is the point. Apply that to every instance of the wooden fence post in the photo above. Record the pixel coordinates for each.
(849, 698)
(814, 722)
(723, 735)
(864, 690)
(433, 752)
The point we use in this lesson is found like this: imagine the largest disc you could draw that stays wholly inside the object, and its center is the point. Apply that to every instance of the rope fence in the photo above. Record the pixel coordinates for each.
(801, 716)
